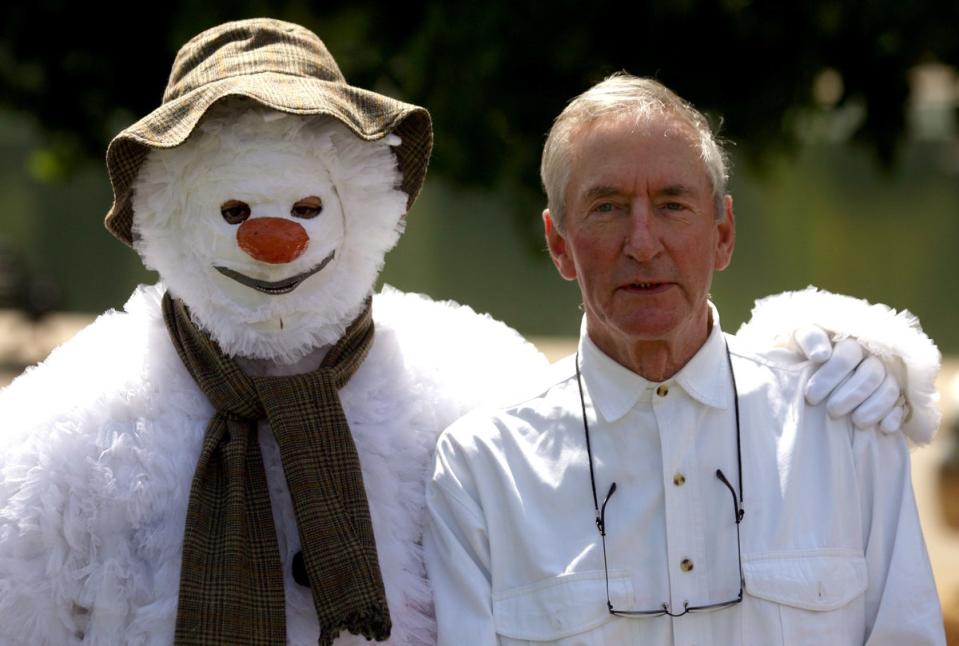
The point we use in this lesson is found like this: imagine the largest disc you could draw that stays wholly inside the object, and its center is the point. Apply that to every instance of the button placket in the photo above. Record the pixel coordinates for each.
(673, 435)
(678, 434)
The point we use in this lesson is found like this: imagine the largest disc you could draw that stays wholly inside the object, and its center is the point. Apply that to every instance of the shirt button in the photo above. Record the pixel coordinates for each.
(662, 390)
(679, 480)
(686, 565)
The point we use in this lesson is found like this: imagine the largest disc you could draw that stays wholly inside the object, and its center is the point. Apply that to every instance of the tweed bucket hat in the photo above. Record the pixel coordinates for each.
(279, 65)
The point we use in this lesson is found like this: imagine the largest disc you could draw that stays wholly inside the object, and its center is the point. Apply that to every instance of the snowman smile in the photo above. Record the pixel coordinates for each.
(275, 287)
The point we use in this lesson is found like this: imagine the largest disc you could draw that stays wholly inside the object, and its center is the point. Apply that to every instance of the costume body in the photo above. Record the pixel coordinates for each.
(831, 546)
(99, 445)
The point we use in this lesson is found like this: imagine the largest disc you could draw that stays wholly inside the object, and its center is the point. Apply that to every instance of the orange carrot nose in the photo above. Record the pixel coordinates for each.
(272, 240)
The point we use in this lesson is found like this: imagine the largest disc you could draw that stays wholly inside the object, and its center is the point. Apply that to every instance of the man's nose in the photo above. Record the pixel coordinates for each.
(642, 242)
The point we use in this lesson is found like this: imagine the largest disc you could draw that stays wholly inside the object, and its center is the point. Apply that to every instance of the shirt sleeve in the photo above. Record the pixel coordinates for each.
(456, 550)
(902, 606)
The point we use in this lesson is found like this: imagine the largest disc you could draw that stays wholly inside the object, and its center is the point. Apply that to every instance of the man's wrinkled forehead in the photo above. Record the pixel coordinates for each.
(599, 191)
(660, 122)
(587, 143)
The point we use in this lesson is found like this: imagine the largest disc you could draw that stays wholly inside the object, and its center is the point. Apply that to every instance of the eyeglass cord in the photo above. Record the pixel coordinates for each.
(601, 511)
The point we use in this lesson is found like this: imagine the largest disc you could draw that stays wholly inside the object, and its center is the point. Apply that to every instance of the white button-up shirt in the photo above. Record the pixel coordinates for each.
(832, 552)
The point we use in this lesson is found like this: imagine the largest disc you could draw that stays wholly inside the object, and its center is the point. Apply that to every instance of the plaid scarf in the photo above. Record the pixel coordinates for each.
(231, 581)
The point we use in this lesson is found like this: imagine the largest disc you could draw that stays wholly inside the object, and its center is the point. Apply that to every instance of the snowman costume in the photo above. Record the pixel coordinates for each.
(99, 444)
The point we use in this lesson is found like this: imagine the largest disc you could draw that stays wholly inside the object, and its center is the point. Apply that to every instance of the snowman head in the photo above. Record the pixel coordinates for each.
(271, 227)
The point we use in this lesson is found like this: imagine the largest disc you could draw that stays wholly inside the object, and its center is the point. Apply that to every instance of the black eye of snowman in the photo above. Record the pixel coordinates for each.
(308, 207)
(235, 211)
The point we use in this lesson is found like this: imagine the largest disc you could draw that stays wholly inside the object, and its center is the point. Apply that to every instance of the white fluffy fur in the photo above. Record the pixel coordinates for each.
(896, 338)
(235, 155)
(99, 443)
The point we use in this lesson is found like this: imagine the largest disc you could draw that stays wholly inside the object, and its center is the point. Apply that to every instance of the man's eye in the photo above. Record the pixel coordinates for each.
(235, 211)
(605, 207)
(674, 206)
(308, 207)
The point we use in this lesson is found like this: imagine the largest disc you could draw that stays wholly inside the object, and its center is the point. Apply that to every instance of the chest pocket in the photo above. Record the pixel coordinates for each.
(809, 597)
(568, 610)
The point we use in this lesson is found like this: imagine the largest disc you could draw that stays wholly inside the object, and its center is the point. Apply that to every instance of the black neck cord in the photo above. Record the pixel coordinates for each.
(600, 511)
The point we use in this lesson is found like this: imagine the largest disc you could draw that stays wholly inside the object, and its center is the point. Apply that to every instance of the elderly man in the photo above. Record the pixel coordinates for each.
(669, 484)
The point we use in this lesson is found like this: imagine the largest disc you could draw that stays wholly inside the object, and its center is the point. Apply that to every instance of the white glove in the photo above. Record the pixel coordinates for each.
(854, 381)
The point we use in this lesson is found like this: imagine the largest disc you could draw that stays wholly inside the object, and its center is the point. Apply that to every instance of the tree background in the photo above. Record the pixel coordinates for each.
(843, 114)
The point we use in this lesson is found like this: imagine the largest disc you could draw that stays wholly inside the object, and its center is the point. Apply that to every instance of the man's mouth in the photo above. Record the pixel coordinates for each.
(647, 286)
(274, 287)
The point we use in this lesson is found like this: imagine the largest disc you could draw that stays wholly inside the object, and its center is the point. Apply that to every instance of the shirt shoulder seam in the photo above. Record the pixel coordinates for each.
(537, 394)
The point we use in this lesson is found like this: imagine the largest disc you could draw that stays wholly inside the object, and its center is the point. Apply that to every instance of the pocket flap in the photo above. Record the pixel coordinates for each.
(560, 606)
(809, 580)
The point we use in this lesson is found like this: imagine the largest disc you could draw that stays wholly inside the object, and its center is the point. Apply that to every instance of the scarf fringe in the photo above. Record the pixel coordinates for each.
(374, 624)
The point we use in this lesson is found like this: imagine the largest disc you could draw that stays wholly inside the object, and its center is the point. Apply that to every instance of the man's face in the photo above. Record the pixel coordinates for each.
(641, 237)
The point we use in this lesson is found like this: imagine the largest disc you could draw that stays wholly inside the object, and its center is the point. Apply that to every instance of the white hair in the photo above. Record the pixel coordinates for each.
(641, 98)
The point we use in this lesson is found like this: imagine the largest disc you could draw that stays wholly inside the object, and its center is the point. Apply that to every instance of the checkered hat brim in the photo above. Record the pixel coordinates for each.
(281, 66)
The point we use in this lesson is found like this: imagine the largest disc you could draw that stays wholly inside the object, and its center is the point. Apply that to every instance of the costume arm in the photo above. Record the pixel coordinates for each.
(901, 603)
(457, 554)
(896, 339)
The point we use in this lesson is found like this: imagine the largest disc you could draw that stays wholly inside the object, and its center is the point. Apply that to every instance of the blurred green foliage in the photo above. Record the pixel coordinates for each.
(495, 73)
(829, 187)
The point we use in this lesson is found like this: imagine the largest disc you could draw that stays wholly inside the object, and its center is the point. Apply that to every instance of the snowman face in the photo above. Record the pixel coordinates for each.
(271, 228)
(272, 240)
(268, 238)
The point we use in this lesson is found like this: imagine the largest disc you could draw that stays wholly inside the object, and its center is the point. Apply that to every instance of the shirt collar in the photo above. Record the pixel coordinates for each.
(615, 389)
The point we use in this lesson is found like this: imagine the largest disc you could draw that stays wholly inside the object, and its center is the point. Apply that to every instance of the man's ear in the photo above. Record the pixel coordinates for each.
(726, 241)
(558, 249)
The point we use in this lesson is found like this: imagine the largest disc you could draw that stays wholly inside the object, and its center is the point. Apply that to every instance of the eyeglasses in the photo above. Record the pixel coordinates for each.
(738, 514)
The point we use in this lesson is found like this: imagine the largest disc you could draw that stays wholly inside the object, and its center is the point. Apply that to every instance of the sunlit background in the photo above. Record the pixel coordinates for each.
(842, 121)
